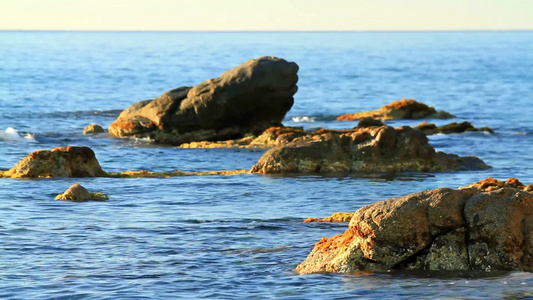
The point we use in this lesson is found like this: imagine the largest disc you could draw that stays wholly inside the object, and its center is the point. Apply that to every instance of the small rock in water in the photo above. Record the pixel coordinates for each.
(93, 128)
(405, 109)
(78, 193)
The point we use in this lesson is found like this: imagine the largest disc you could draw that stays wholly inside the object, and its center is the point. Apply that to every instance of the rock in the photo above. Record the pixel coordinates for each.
(271, 137)
(336, 217)
(93, 128)
(430, 128)
(245, 100)
(369, 122)
(58, 162)
(437, 230)
(81, 162)
(78, 193)
(367, 149)
(405, 109)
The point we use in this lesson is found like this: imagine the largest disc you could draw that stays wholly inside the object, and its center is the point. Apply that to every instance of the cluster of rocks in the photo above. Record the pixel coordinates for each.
(363, 149)
(486, 226)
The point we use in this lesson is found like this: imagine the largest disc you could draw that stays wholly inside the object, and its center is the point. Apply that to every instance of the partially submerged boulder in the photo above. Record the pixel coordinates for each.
(431, 128)
(78, 193)
(468, 229)
(59, 162)
(363, 149)
(92, 129)
(245, 100)
(405, 109)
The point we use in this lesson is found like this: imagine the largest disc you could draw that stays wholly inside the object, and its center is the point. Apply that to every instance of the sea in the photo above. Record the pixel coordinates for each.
(238, 237)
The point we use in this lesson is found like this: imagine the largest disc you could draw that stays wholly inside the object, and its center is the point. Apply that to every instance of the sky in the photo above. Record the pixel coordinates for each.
(266, 15)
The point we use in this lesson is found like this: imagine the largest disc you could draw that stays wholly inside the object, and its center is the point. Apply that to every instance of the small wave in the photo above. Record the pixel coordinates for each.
(303, 119)
(306, 119)
(11, 134)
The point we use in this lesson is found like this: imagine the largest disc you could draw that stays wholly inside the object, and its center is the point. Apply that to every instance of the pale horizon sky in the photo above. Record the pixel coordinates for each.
(272, 15)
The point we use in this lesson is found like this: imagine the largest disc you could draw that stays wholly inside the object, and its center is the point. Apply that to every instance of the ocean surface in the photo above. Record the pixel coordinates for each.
(239, 236)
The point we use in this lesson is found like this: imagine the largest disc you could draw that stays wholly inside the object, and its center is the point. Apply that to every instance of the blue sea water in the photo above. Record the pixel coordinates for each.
(239, 236)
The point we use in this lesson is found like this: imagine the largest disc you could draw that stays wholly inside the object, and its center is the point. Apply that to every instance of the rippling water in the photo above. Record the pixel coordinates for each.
(238, 236)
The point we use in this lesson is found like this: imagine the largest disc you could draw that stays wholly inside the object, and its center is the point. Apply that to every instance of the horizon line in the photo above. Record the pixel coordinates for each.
(263, 31)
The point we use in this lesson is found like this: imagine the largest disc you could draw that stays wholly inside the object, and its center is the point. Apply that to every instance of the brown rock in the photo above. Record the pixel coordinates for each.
(430, 128)
(400, 110)
(93, 128)
(58, 162)
(78, 193)
(441, 229)
(245, 100)
(371, 149)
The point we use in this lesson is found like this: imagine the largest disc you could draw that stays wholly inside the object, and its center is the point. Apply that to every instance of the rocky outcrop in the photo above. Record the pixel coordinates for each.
(78, 193)
(58, 162)
(469, 229)
(81, 162)
(337, 217)
(92, 129)
(431, 128)
(245, 100)
(405, 109)
(363, 149)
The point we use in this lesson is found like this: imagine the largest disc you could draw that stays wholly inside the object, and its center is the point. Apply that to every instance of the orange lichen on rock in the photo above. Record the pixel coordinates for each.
(336, 217)
(336, 242)
(491, 184)
(399, 110)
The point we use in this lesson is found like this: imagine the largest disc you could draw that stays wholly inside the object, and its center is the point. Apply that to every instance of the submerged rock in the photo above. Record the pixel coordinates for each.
(431, 128)
(441, 229)
(93, 128)
(245, 100)
(405, 109)
(78, 193)
(363, 149)
(336, 217)
(59, 162)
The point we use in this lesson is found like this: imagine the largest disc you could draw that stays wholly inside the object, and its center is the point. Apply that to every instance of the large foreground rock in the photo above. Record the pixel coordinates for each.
(247, 99)
(405, 109)
(477, 228)
(363, 149)
(58, 162)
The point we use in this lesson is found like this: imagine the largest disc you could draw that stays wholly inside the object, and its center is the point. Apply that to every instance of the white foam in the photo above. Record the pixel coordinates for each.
(11, 134)
(303, 119)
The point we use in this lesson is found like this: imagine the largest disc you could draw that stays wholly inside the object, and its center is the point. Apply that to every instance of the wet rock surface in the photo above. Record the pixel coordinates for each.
(405, 109)
(77, 193)
(363, 149)
(242, 101)
(477, 228)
